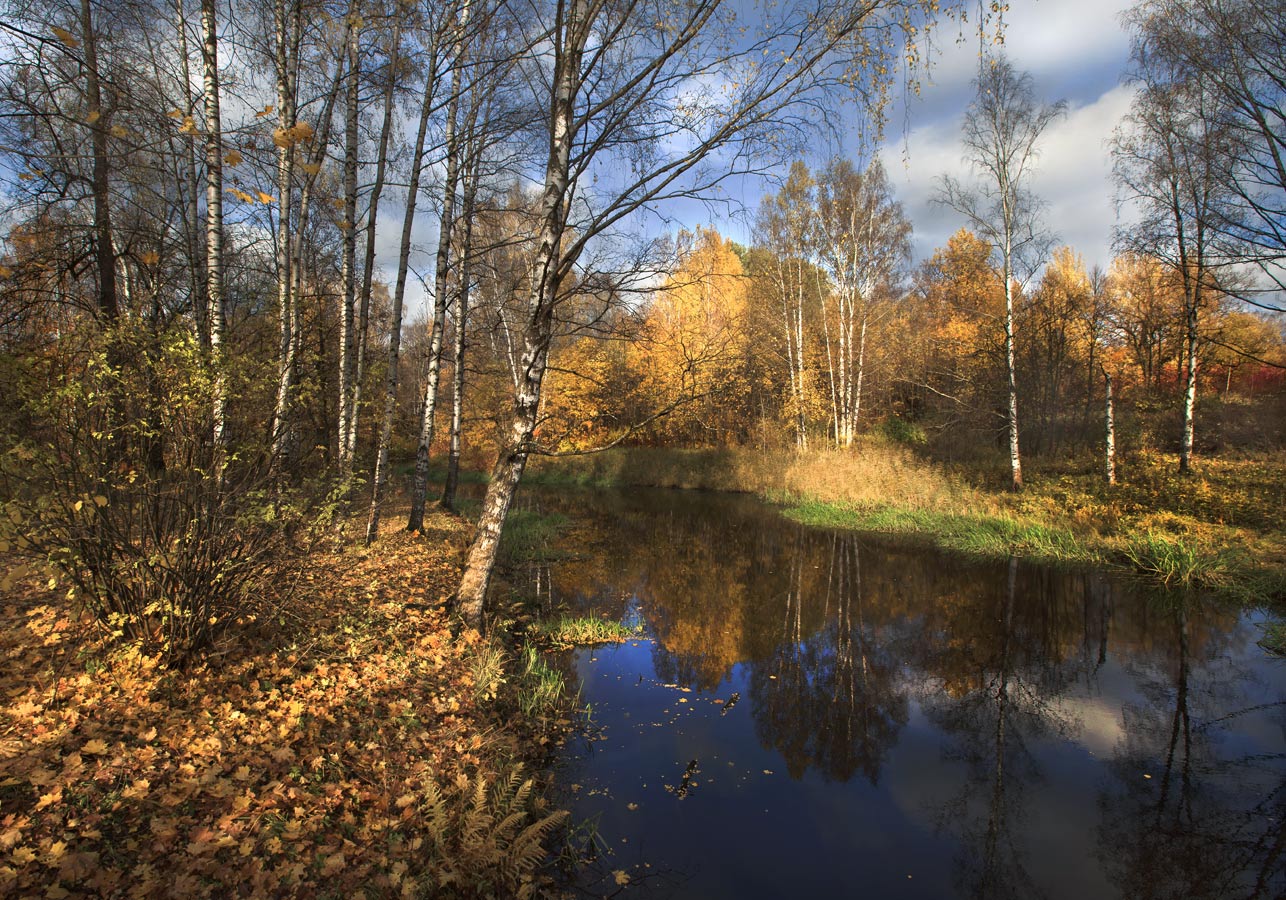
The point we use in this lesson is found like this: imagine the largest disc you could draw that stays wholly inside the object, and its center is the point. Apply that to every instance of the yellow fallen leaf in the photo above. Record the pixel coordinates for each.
(622, 877)
(96, 747)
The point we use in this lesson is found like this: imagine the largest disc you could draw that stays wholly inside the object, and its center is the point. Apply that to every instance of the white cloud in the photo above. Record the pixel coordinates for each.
(1073, 176)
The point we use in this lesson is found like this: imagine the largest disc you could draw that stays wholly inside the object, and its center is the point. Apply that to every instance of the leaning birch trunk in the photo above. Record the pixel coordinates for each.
(214, 229)
(349, 264)
(441, 281)
(368, 266)
(1109, 421)
(546, 274)
(395, 325)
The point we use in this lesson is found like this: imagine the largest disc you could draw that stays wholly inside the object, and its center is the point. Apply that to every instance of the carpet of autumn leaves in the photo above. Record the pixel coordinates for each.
(335, 747)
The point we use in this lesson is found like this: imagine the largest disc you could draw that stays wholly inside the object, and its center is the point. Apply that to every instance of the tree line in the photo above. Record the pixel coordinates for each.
(202, 305)
(204, 311)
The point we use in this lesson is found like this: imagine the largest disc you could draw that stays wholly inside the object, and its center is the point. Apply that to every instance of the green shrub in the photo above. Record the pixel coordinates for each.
(116, 488)
(904, 432)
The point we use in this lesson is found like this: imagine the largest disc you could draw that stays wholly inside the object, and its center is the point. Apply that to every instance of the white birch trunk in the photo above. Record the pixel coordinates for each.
(349, 263)
(1109, 421)
(546, 277)
(214, 228)
(441, 287)
(1015, 458)
(286, 345)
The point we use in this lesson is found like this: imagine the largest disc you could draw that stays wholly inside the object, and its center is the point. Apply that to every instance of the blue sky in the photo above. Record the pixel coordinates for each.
(1075, 50)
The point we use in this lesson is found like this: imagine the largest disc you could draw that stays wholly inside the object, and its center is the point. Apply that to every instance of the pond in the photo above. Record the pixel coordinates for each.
(816, 714)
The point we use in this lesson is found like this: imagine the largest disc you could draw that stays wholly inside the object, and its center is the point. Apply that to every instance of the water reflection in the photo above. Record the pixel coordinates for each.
(830, 700)
(1025, 732)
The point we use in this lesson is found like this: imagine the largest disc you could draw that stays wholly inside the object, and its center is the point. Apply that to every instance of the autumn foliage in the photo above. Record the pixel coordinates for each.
(339, 746)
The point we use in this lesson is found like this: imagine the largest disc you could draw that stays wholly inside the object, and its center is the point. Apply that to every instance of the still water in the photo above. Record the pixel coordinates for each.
(812, 714)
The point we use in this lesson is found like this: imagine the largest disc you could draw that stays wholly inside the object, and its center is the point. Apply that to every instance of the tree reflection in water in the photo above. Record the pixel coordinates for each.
(832, 700)
(1171, 825)
(1029, 704)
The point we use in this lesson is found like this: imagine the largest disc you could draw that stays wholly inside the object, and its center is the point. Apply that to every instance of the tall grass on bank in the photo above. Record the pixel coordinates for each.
(1218, 530)
(1175, 562)
(541, 689)
(987, 536)
(875, 471)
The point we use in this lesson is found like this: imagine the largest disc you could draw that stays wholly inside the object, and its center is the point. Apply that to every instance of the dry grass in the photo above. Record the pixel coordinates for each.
(1221, 528)
(874, 472)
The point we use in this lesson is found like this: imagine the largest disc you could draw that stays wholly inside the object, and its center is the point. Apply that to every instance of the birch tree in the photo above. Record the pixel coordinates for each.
(648, 102)
(214, 221)
(427, 106)
(442, 280)
(1167, 163)
(786, 227)
(1001, 130)
(863, 238)
(363, 301)
(1236, 50)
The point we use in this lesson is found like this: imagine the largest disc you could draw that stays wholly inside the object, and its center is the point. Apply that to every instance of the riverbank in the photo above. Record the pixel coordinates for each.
(1222, 529)
(344, 740)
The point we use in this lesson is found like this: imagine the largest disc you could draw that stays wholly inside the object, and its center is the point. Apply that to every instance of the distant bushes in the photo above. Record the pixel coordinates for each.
(903, 431)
